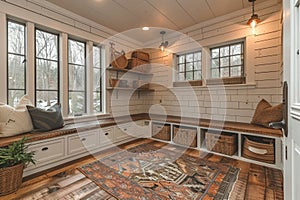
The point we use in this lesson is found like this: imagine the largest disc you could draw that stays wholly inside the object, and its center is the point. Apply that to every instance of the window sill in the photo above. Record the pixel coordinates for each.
(187, 83)
(226, 81)
(84, 118)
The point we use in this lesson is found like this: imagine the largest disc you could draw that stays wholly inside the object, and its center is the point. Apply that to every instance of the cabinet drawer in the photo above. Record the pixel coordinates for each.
(48, 151)
(82, 142)
(106, 135)
(121, 132)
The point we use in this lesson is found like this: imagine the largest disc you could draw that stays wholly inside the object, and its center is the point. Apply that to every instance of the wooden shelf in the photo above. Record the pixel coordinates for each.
(129, 71)
(129, 89)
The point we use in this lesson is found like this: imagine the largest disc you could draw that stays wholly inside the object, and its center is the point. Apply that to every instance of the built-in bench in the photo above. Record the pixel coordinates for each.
(79, 139)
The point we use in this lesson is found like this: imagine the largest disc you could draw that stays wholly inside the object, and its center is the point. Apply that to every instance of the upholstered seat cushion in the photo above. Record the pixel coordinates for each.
(266, 113)
(15, 121)
(46, 120)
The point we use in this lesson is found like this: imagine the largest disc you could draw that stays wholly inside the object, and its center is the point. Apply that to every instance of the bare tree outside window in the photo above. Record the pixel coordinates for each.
(97, 85)
(16, 65)
(77, 77)
(189, 66)
(47, 73)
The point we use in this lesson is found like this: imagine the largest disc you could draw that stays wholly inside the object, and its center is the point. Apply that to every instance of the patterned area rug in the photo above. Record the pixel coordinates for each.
(149, 172)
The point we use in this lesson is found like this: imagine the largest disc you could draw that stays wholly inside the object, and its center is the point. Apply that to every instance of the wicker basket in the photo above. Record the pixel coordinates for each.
(185, 136)
(141, 55)
(120, 62)
(10, 179)
(260, 149)
(139, 65)
(114, 82)
(225, 143)
(161, 131)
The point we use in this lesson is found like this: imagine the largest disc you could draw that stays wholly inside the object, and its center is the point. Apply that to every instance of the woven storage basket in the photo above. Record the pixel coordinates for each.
(10, 179)
(260, 149)
(141, 55)
(139, 65)
(225, 143)
(113, 82)
(161, 131)
(185, 136)
(120, 62)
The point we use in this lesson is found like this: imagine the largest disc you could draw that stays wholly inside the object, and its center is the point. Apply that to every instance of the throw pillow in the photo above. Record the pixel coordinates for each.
(266, 113)
(13, 121)
(46, 120)
(24, 101)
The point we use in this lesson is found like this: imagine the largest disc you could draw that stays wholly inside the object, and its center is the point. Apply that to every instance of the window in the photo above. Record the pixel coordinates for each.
(227, 61)
(97, 84)
(77, 77)
(189, 66)
(16, 65)
(47, 71)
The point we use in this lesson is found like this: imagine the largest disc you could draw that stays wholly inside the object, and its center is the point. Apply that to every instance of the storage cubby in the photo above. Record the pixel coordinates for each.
(161, 131)
(186, 136)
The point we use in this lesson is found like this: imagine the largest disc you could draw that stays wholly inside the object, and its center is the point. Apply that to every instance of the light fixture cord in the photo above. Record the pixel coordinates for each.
(253, 7)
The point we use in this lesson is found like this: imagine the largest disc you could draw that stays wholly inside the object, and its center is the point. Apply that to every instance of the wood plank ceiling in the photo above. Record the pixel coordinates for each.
(123, 15)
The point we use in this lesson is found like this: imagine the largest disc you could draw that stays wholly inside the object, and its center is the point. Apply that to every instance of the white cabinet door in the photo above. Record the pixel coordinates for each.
(83, 142)
(48, 151)
(106, 136)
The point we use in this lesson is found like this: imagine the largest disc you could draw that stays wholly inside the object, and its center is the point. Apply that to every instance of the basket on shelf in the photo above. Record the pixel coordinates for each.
(120, 62)
(11, 179)
(140, 55)
(161, 131)
(260, 149)
(185, 136)
(225, 143)
(113, 82)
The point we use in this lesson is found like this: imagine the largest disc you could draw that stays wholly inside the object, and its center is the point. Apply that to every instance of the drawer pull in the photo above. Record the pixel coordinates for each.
(83, 139)
(125, 129)
(45, 149)
(106, 134)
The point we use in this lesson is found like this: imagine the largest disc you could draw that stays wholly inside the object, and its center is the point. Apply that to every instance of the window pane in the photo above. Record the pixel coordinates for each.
(46, 74)
(16, 38)
(97, 56)
(224, 72)
(236, 60)
(189, 76)
(215, 63)
(236, 49)
(181, 59)
(76, 52)
(181, 68)
(215, 73)
(46, 45)
(215, 53)
(189, 67)
(224, 62)
(16, 72)
(97, 101)
(97, 79)
(189, 57)
(224, 51)
(181, 77)
(76, 103)
(197, 75)
(197, 56)
(46, 99)
(236, 71)
(198, 66)
(76, 77)
(14, 96)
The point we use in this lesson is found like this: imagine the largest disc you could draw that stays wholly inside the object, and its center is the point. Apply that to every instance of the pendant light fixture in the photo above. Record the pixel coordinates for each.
(254, 20)
(164, 43)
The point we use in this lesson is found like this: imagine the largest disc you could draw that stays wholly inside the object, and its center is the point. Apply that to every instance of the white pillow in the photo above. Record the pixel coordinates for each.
(15, 121)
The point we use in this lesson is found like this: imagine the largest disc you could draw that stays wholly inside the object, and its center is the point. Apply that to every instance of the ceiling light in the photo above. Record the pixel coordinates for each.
(163, 45)
(145, 28)
(254, 20)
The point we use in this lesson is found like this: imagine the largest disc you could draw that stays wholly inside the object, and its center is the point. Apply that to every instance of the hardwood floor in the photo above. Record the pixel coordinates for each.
(254, 181)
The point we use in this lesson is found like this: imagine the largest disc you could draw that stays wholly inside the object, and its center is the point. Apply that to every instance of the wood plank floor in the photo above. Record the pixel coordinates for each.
(254, 181)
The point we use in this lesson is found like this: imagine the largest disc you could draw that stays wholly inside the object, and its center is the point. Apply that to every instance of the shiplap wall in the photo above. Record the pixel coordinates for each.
(263, 66)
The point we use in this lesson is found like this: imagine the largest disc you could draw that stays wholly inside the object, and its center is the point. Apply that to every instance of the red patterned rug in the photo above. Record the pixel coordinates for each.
(149, 172)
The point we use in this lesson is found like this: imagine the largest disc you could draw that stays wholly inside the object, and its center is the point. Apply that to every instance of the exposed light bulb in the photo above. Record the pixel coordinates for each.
(162, 48)
(253, 24)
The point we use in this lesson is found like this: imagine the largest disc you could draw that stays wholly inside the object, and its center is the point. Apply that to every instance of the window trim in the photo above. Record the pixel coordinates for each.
(182, 83)
(7, 58)
(85, 77)
(101, 78)
(58, 65)
(231, 79)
